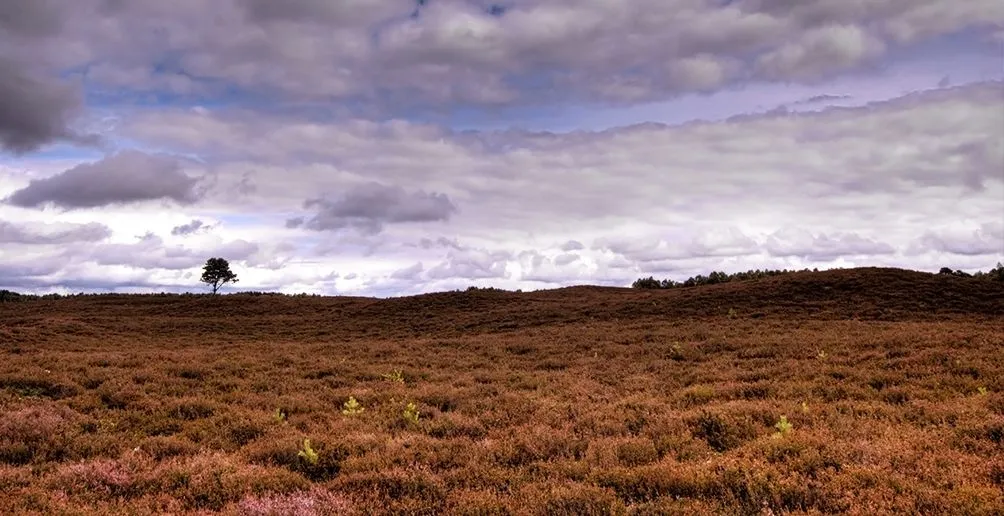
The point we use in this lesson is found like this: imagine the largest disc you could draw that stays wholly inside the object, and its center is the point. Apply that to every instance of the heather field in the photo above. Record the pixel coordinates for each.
(862, 391)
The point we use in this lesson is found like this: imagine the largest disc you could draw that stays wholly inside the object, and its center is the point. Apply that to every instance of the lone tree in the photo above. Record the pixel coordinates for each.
(217, 273)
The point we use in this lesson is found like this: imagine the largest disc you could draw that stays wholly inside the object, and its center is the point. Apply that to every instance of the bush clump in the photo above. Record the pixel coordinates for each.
(713, 278)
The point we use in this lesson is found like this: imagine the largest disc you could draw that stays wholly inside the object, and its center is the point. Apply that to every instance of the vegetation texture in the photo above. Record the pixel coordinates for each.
(867, 391)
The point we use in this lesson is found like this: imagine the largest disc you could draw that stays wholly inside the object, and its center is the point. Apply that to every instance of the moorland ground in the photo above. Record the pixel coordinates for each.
(865, 391)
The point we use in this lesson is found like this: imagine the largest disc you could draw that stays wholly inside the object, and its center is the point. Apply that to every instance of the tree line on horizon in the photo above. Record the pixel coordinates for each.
(713, 278)
(716, 277)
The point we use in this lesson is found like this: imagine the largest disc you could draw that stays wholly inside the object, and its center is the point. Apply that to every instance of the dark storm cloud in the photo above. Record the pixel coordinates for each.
(368, 207)
(122, 178)
(34, 110)
(30, 17)
(11, 233)
(336, 13)
(518, 52)
(187, 229)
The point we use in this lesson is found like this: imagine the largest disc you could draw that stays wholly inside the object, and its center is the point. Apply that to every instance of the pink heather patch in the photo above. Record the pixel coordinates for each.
(315, 502)
(37, 426)
(108, 477)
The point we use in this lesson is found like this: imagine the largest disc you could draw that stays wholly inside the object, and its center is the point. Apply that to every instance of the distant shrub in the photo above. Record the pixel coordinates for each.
(6, 296)
(995, 274)
(713, 278)
(946, 271)
(649, 282)
(474, 288)
(716, 277)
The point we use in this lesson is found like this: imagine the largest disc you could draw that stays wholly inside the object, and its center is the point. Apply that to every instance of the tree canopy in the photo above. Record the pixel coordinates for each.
(217, 273)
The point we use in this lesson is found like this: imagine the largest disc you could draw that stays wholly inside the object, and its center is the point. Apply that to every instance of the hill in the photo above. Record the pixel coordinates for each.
(861, 391)
(862, 293)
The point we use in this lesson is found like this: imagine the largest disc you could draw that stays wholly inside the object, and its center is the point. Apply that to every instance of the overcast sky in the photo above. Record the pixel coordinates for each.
(391, 147)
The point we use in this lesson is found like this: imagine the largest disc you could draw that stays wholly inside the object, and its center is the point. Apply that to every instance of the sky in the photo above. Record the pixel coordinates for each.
(396, 147)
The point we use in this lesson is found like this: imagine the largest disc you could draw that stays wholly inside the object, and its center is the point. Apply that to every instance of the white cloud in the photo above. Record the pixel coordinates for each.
(967, 240)
(820, 51)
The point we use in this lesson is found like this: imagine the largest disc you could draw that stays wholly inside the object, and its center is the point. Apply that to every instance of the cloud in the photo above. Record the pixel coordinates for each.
(408, 273)
(188, 229)
(537, 267)
(820, 52)
(29, 271)
(471, 264)
(30, 17)
(384, 54)
(151, 253)
(572, 245)
(34, 110)
(835, 187)
(125, 177)
(944, 139)
(428, 243)
(319, 11)
(987, 239)
(368, 207)
(49, 234)
(566, 259)
(821, 99)
(822, 247)
(683, 244)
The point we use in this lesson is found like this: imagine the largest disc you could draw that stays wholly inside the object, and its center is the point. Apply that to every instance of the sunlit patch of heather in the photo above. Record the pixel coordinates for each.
(214, 480)
(109, 478)
(315, 502)
(40, 433)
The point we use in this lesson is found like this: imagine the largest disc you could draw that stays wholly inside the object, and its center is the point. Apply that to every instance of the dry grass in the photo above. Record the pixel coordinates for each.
(576, 401)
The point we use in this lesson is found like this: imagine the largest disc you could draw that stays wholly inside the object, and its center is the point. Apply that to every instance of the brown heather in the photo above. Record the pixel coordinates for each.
(572, 401)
